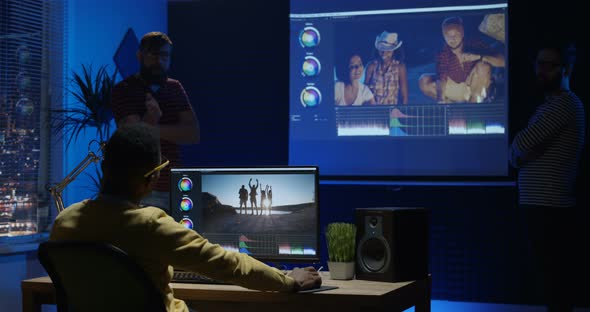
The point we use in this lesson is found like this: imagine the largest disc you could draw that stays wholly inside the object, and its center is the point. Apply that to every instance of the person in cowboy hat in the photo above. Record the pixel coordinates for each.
(463, 67)
(386, 75)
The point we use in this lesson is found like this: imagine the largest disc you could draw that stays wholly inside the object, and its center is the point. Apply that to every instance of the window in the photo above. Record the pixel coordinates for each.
(32, 72)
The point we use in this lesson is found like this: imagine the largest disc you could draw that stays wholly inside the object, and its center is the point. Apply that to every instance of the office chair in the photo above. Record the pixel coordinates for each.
(92, 276)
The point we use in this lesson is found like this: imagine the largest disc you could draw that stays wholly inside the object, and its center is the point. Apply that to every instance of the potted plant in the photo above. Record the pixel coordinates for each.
(93, 95)
(340, 238)
(92, 92)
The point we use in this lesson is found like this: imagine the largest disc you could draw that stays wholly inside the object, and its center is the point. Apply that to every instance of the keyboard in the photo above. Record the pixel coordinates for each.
(192, 277)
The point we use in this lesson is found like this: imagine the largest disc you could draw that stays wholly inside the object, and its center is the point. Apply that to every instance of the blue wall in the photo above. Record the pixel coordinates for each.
(96, 28)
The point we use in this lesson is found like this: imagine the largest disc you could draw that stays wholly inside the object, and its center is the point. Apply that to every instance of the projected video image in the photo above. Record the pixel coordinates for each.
(400, 81)
(453, 57)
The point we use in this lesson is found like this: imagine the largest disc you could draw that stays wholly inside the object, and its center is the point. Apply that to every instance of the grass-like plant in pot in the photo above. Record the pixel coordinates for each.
(340, 238)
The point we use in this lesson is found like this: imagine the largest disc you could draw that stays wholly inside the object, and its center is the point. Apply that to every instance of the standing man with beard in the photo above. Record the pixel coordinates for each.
(547, 154)
(150, 96)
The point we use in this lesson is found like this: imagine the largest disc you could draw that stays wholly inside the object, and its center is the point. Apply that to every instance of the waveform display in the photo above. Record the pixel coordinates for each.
(243, 245)
(362, 121)
(401, 120)
(417, 121)
(288, 249)
(494, 127)
(245, 251)
(457, 126)
(244, 239)
(267, 244)
(256, 244)
(361, 128)
(231, 248)
(476, 127)
(469, 126)
(421, 120)
(481, 119)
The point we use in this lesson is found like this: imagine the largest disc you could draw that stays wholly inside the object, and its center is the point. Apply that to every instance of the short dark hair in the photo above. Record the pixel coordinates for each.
(342, 67)
(154, 41)
(132, 151)
(564, 47)
(452, 21)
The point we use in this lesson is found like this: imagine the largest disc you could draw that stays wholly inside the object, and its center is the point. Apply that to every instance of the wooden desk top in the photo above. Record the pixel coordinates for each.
(351, 293)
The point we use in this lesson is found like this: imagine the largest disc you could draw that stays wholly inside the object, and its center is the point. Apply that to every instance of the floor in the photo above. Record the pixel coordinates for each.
(452, 306)
(448, 306)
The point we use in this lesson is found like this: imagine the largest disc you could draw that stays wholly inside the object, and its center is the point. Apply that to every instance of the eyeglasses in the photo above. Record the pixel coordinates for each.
(547, 64)
(355, 66)
(164, 163)
(158, 54)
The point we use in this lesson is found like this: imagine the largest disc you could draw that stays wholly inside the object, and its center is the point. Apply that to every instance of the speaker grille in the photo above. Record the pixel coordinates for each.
(374, 254)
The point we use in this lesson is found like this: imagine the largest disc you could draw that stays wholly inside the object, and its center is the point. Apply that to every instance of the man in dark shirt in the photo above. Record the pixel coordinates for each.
(152, 97)
(463, 67)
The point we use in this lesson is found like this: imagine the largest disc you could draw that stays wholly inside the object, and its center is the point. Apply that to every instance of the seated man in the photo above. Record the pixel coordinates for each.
(463, 67)
(157, 242)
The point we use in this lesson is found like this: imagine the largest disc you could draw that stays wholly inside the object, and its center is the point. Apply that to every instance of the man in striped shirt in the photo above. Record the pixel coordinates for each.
(150, 96)
(547, 153)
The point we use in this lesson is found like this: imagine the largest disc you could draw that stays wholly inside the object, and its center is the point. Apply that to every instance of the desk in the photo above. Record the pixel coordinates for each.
(352, 295)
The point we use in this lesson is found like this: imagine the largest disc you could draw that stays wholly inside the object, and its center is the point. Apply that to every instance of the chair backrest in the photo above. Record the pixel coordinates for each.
(93, 276)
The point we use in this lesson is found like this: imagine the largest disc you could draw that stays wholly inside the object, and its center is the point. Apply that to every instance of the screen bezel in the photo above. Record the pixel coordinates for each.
(264, 170)
(350, 7)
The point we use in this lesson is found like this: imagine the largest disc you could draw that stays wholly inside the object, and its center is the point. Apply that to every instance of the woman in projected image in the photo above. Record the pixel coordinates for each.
(387, 75)
(350, 90)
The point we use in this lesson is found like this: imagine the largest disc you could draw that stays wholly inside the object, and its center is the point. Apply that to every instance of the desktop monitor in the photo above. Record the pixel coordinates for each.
(270, 213)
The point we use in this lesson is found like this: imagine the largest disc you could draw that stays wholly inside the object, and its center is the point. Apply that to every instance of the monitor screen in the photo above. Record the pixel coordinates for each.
(270, 213)
(399, 88)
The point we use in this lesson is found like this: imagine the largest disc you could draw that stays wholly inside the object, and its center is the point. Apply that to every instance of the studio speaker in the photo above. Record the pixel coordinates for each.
(392, 244)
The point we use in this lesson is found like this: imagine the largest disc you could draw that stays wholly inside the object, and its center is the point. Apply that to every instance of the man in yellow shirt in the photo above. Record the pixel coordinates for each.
(130, 167)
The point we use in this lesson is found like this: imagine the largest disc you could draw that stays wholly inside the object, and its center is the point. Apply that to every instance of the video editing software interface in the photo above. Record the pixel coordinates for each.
(453, 118)
(270, 213)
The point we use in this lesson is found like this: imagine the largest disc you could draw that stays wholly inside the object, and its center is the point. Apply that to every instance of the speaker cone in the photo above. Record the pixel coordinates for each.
(374, 254)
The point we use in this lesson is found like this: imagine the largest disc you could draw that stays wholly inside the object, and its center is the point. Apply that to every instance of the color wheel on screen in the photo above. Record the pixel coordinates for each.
(186, 204)
(185, 184)
(188, 223)
(309, 37)
(310, 97)
(311, 66)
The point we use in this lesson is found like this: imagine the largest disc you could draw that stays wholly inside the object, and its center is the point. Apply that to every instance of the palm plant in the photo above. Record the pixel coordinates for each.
(92, 110)
(93, 96)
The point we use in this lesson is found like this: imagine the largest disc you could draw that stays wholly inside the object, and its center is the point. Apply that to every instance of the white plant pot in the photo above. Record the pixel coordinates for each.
(341, 270)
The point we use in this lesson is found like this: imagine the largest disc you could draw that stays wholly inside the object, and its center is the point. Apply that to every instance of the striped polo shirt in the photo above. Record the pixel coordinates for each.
(555, 133)
(128, 98)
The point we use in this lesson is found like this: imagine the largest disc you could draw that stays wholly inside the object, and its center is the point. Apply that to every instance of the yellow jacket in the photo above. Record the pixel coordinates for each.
(157, 242)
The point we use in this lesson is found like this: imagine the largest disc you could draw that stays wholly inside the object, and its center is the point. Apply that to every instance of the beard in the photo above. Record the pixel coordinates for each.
(548, 84)
(153, 74)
